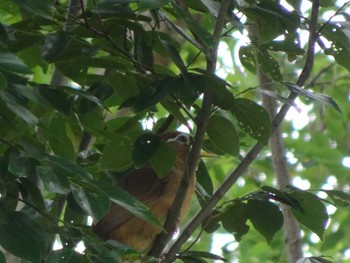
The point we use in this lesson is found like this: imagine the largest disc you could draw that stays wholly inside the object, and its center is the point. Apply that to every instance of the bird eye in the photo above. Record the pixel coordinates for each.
(183, 139)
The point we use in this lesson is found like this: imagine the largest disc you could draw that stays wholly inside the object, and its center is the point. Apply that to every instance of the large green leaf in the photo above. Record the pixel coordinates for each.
(61, 47)
(268, 65)
(253, 119)
(3, 36)
(266, 217)
(54, 182)
(9, 62)
(272, 20)
(152, 4)
(338, 35)
(3, 82)
(144, 148)
(57, 98)
(312, 95)
(203, 177)
(130, 203)
(199, 256)
(340, 198)
(223, 134)
(234, 220)
(18, 109)
(247, 58)
(2, 257)
(32, 194)
(20, 165)
(91, 199)
(44, 8)
(312, 212)
(66, 255)
(117, 156)
(21, 236)
(124, 86)
(195, 27)
(67, 168)
(59, 141)
(163, 159)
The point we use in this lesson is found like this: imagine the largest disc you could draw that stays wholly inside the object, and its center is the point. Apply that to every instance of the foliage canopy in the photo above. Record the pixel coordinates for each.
(84, 83)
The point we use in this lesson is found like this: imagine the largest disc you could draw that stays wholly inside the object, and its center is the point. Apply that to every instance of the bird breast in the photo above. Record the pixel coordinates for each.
(140, 234)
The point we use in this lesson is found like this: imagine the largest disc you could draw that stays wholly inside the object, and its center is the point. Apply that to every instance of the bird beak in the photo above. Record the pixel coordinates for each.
(207, 154)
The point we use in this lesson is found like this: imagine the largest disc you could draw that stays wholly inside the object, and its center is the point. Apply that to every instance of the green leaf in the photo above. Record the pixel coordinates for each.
(56, 183)
(152, 4)
(91, 199)
(57, 98)
(234, 220)
(130, 203)
(3, 36)
(247, 58)
(66, 255)
(266, 217)
(211, 223)
(203, 178)
(3, 82)
(173, 108)
(253, 119)
(143, 51)
(18, 109)
(144, 149)
(313, 260)
(19, 165)
(340, 198)
(163, 159)
(202, 254)
(312, 213)
(44, 8)
(311, 95)
(195, 27)
(67, 168)
(21, 236)
(59, 141)
(60, 47)
(2, 257)
(33, 194)
(116, 156)
(175, 56)
(288, 46)
(269, 65)
(337, 34)
(9, 62)
(280, 196)
(7, 193)
(223, 134)
(124, 86)
(272, 20)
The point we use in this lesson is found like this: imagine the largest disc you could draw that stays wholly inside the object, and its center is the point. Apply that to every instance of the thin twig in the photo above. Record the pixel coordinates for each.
(319, 74)
(331, 18)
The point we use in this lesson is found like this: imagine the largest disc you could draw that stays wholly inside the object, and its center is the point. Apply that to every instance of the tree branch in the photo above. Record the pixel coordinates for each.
(281, 168)
(253, 153)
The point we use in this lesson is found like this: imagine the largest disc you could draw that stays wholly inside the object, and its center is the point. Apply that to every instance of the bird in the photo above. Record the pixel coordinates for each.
(155, 192)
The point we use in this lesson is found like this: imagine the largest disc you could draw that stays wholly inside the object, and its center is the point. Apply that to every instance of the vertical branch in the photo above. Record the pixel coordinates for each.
(280, 164)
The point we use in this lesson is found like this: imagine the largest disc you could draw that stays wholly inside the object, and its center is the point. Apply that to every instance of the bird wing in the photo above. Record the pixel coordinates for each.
(144, 185)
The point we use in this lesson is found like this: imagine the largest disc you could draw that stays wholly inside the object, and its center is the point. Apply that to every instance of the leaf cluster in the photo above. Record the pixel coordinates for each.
(86, 90)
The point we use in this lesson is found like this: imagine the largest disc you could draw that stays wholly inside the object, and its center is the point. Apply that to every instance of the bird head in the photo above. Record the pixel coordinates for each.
(179, 140)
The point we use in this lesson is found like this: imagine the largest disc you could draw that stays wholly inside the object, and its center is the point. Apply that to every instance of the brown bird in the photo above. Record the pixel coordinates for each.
(156, 193)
